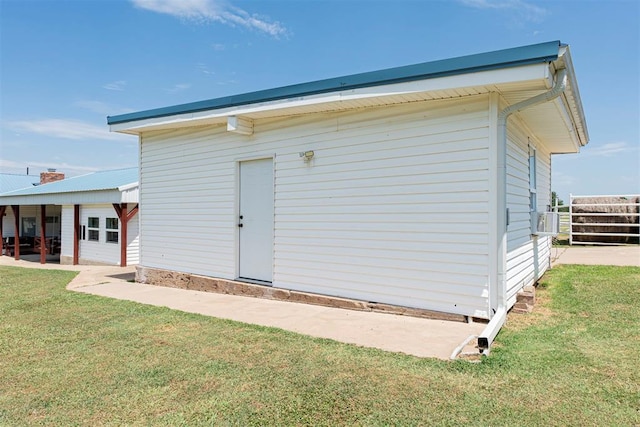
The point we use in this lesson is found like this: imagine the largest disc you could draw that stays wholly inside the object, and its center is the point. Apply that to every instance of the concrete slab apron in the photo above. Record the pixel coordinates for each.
(403, 334)
(596, 255)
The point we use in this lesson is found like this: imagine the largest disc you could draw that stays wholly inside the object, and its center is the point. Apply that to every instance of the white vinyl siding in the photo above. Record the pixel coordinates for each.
(66, 232)
(8, 223)
(133, 240)
(98, 251)
(393, 208)
(527, 255)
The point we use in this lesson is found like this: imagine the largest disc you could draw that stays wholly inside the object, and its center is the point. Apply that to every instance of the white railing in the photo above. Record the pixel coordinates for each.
(604, 220)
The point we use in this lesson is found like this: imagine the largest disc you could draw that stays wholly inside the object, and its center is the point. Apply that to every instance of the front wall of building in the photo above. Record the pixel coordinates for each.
(98, 251)
(392, 208)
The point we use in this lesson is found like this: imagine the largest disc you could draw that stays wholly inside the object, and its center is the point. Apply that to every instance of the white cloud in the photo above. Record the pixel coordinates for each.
(178, 88)
(527, 11)
(117, 85)
(212, 11)
(66, 129)
(563, 179)
(609, 149)
(7, 165)
(101, 107)
(204, 69)
(37, 167)
(218, 47)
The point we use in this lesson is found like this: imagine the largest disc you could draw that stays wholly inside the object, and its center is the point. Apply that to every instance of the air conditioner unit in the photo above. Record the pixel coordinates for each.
(547, 224)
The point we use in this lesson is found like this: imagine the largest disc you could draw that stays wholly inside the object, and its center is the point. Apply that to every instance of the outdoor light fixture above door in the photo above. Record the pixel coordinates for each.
(307, 155)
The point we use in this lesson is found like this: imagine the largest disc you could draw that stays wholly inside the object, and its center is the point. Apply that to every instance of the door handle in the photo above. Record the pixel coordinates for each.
(240, 225)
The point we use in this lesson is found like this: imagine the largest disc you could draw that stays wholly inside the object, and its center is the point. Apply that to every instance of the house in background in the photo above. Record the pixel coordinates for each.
(88, 219)
(418, 186)
(27, 218)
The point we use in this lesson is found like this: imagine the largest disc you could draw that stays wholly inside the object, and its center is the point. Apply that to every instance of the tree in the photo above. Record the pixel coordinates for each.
(554, 197)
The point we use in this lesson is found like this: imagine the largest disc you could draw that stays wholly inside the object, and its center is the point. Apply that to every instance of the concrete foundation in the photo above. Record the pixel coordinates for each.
(68, 260)
(174, 279)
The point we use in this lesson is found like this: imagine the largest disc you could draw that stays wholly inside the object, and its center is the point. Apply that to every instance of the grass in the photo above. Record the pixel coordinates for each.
(75, 359)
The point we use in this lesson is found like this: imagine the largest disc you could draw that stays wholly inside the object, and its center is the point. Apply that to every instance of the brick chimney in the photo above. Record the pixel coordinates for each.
(50, 176)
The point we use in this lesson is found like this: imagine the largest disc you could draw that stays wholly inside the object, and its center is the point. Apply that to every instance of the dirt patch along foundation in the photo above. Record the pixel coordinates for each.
(174, 279)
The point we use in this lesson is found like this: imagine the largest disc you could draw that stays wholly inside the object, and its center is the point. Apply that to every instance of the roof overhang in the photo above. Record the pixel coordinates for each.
(73, 198)
(560, 124)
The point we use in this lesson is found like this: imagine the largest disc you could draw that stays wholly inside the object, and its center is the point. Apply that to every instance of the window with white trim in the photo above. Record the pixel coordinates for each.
(112, 230)
(93, 226)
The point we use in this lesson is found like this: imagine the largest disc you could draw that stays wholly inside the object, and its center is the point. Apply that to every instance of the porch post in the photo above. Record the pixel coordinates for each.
(43, 234)
(124, 225)
(76, 233)
(2, 210)
(121, 211)
(124, 216)
(16, 231)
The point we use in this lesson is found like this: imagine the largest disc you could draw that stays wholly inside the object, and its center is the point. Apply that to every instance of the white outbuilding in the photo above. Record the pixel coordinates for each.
(423, 186)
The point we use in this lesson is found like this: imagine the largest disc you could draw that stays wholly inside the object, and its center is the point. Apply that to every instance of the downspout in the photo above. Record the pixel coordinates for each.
(500, 316)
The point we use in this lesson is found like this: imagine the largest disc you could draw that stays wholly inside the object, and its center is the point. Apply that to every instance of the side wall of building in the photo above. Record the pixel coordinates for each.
(393, 207)
(528, 256)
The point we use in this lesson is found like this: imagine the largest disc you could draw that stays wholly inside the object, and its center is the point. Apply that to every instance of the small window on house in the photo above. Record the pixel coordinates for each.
(29, 226)
(112, 230)
(93, 226)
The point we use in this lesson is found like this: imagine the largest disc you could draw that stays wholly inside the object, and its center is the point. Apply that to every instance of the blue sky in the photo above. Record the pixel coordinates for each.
(66, 65)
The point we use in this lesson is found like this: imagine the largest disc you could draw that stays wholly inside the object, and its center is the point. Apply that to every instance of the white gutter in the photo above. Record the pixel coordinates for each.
(500, 316)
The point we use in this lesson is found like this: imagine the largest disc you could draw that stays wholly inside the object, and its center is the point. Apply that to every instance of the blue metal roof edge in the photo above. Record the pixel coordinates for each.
(524, 55)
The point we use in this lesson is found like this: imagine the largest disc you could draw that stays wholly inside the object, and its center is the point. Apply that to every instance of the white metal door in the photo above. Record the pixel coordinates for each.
(255, 222)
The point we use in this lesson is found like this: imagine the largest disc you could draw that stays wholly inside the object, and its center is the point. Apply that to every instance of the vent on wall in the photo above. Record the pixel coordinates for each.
(546, 224)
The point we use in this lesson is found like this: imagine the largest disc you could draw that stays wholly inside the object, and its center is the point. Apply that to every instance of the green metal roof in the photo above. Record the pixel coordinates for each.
(95, 181)
(525, 55)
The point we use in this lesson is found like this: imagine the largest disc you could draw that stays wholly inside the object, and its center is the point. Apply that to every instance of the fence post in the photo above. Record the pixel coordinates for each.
(570, 219)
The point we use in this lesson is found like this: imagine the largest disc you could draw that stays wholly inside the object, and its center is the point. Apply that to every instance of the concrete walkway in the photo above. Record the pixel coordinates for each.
(596, 255)
(403, 334)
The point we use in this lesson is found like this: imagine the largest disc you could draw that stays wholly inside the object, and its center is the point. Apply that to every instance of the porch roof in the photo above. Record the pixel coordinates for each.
(113, 186)
(12, 182)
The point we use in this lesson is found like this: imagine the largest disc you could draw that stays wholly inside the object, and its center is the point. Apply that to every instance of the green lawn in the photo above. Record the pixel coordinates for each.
(74, 359)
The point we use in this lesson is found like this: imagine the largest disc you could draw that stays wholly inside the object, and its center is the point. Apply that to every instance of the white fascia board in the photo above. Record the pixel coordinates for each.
(569, 123)
(128, 186)
(564, 60)
(72, 198)
(483, 78)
